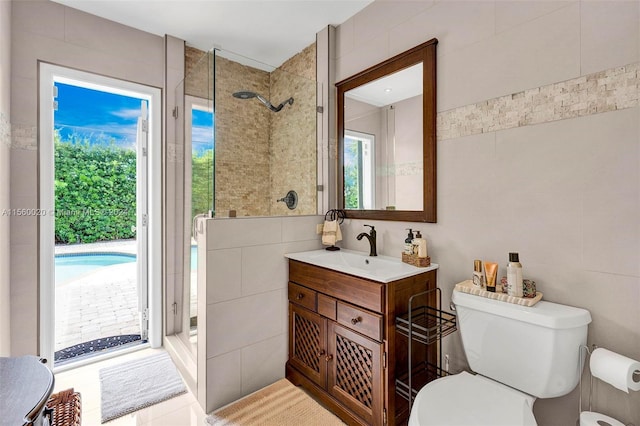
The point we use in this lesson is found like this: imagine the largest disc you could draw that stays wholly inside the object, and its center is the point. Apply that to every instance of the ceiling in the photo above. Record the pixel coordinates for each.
(390, 89)
(269, 31)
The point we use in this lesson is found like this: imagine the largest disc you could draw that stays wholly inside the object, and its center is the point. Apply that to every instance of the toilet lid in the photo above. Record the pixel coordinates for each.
(465, 399)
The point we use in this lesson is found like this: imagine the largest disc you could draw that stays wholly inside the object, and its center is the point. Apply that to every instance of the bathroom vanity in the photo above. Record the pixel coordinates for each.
(343, 345)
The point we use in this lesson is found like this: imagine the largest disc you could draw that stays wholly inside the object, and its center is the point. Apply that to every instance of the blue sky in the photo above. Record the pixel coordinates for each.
(201, 131)
(93, 113)
(106, 116)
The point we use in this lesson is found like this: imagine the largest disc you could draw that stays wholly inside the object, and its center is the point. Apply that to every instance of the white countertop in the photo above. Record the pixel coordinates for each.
(383, 269)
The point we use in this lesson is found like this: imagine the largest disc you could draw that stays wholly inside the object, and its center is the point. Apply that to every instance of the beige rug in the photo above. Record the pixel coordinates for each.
(279, 404)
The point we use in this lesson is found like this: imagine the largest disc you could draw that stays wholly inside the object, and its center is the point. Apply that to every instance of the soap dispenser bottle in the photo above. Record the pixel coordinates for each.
(420, 245)
(514, 276)
(408, 243)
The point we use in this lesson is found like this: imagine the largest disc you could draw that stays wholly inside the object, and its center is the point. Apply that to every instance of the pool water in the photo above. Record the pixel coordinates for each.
(72, 266)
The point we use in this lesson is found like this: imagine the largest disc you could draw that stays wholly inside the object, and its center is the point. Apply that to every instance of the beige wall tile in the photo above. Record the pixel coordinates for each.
(224, 275)
(5, 220)
(344, 38)
(24, 174)
(363, 56)
(24, 100)
(609, 34)
(306, 245)
(253, 318)
(224, 380)
(111, 38)
(510, 14)
(512, 60)
(381, 16)
(263, 363)
(300, 228)
(474, 22)
(45, 18)
(242, 232)
(264, 268)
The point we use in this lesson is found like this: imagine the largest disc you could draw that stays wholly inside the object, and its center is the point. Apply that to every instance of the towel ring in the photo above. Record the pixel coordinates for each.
(335, 214)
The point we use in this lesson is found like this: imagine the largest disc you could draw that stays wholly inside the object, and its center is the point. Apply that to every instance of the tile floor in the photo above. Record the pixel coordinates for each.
(182, 410)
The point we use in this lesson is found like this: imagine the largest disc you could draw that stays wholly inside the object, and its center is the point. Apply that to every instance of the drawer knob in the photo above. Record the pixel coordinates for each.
(322, 352)
(328, 358)
(299, 296)
(354, 321)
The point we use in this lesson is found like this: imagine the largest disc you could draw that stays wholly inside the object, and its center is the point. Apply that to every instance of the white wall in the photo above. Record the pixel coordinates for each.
(565, 194)
(50, 32)
(5, 155)
(245, 317)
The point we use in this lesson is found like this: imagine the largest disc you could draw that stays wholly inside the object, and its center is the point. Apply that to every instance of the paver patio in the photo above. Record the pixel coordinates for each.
(99, 304)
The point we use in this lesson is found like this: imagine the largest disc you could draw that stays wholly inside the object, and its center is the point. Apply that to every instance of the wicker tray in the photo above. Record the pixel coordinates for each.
(413, 259)
(64, 408)
(467, 287)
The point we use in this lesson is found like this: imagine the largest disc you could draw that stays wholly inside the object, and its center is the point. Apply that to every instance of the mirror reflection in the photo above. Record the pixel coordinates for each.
(382, 146)
(387, 139)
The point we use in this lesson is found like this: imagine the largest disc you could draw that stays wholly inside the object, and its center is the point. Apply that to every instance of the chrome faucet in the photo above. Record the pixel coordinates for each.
(371, 236)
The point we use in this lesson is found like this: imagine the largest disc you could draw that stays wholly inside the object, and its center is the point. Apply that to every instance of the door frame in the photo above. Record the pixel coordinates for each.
(46, 203)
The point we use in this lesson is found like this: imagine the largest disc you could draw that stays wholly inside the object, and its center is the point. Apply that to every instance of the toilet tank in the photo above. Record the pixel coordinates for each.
(533, 349)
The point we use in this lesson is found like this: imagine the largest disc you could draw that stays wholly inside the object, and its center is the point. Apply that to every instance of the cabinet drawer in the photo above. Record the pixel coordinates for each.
(327, 306)
(359, 320)
(361, 292)
(302, 296)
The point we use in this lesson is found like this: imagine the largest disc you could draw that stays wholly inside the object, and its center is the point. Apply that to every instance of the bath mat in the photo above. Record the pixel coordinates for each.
(137, 384)
(279, 404)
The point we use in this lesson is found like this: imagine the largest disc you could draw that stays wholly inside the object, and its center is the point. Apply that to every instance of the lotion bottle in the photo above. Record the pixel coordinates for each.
(478, 275)
(408, 243)
(514, 276)
(420, 245)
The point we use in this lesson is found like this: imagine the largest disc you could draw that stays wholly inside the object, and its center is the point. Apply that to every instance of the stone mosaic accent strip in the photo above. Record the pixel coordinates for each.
(401, 169)
(5, 130)
(24, 136)
(608, 90)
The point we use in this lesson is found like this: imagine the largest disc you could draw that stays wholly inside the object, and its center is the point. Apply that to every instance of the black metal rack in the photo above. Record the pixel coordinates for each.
(426, 325)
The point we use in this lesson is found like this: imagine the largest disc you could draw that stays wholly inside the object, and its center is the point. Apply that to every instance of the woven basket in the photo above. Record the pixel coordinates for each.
(65, 407)
(413, 259)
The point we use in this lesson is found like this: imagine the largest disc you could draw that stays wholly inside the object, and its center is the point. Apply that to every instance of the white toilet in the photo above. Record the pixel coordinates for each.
(519, 354)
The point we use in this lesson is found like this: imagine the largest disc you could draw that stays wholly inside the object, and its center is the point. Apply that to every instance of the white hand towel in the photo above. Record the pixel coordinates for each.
(331, 233)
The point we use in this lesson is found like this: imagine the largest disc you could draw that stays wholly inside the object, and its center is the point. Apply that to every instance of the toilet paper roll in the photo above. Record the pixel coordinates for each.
(615, 369)
(589, 418)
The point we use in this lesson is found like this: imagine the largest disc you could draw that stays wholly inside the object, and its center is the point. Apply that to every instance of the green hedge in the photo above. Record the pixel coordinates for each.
(202, 182)
(95, 191)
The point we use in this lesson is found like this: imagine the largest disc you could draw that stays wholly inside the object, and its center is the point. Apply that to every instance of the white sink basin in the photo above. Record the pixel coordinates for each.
(383, 269)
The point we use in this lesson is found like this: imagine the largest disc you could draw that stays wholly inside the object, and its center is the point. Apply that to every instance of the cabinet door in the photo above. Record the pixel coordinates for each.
(307, 343)
(355, 372)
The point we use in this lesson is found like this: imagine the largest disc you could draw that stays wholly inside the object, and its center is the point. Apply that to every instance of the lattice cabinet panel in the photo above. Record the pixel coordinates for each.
(307, 344)
(354, 371)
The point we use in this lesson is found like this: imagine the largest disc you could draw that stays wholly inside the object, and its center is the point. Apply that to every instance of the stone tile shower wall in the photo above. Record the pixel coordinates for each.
(242, 141)
(260, 155)
(293, 133)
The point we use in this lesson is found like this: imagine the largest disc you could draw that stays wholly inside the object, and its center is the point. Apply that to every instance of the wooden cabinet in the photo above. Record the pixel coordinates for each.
(343, 347)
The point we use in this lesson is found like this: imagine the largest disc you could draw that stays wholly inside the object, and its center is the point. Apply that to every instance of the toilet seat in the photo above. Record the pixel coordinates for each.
(465, 399)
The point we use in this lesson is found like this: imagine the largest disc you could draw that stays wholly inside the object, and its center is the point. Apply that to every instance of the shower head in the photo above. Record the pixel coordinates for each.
(249, 95)
(244, 95)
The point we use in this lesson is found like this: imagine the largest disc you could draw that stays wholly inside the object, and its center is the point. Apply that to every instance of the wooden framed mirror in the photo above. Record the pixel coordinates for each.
(387, 139)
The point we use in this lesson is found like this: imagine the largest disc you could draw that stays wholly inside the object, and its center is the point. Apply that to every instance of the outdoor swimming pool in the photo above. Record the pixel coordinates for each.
(70, 266)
